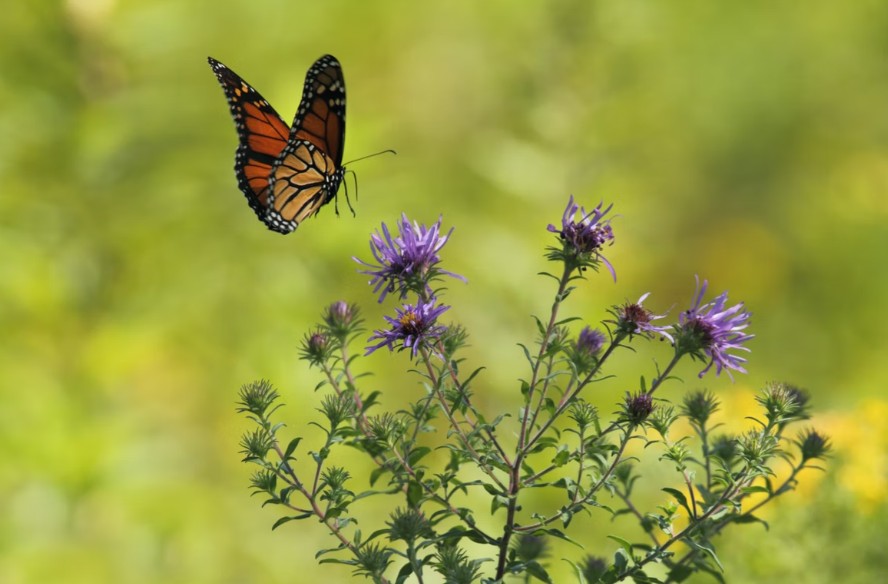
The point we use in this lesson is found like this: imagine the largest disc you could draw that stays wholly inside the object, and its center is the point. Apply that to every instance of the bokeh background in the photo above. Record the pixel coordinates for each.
(744, 142)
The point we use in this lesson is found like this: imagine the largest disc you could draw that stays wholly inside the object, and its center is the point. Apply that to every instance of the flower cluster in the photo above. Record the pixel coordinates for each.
(408, 263)
(554, 438)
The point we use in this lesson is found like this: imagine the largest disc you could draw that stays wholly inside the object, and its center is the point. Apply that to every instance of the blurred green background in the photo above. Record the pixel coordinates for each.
(744, 142)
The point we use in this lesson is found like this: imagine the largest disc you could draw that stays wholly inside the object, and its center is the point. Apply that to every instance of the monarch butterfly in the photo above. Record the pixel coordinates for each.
(288, 172)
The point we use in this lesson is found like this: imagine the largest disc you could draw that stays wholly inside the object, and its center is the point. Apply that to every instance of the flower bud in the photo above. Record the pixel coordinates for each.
(638, 407)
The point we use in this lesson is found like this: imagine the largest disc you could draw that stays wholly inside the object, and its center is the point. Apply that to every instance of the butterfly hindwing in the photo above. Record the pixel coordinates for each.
(303, 180)
(262, 136)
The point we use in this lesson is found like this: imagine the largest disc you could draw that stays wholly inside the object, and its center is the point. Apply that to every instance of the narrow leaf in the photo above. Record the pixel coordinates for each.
(680, 497)
(627, 547)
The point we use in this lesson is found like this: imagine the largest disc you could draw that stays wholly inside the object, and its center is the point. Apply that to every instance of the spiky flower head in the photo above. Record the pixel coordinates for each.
(593, 568)
(316, 347)
(813, 445)
(783, 403)
(632, 318)
(711, 331)
(584, 352)
(699, 405)
(725, 447)
(414, 327)
(755, 447)
(590, 341)
(409, 525)
(341, 318)
(407, 262)
(638, 407)
(583, 237)
(529, 547)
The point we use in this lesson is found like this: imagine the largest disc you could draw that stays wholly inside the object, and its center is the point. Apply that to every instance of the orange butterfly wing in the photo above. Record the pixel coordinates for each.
(308, 172)
(262, 133)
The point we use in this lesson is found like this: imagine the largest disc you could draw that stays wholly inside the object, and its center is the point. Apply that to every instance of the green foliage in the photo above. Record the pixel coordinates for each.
(560, 446)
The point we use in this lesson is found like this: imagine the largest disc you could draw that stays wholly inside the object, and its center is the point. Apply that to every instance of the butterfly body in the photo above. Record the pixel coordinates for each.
(287, 173)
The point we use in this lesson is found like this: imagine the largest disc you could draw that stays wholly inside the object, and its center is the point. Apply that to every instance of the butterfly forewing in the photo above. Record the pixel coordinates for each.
(308, 172)
(262, 136)
(320, 118)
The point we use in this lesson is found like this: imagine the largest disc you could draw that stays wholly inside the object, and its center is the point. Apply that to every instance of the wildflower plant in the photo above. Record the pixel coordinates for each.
(457, 478)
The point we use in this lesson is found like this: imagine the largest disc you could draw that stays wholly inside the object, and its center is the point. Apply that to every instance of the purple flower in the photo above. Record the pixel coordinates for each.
(339, 313)
(583, 238)
(584, 353)
(638, 407)
(590, 341)
(634, 319)
(414, 327)
(406, 262)
(714, 328)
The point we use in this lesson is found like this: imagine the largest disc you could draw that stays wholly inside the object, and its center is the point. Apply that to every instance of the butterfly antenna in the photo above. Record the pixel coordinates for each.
(389, 151)
(355, 180)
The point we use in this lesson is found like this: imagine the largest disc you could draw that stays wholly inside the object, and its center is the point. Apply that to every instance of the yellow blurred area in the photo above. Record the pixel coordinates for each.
(746, 143)
(861, 438)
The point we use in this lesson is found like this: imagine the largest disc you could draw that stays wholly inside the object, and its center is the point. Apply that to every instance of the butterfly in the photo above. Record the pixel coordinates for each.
(288, 172)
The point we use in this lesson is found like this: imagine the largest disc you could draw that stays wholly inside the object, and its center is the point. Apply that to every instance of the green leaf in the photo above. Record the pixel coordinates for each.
(287, 519)
(561, 535)
(625, 545)
(755, 489)
(414, 494)
(680, 497)
(708, 550)
(561, 457)
(750, 519)
(680, 573)
(578, 571)
(621, 560)
(537, 571)
(376, 473)
(498, 502)
(291, 447)
(491, 490)
(416, 454)
(369, 400)
(529, 360)
(404, 573)
(711, 572)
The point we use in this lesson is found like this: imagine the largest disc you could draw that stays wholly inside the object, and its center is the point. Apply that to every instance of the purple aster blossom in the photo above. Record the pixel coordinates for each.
(584, 353)
(583, 238)
(590, 341)
(714, 328)
(406, 262)
(413, 327)
(634, 319)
